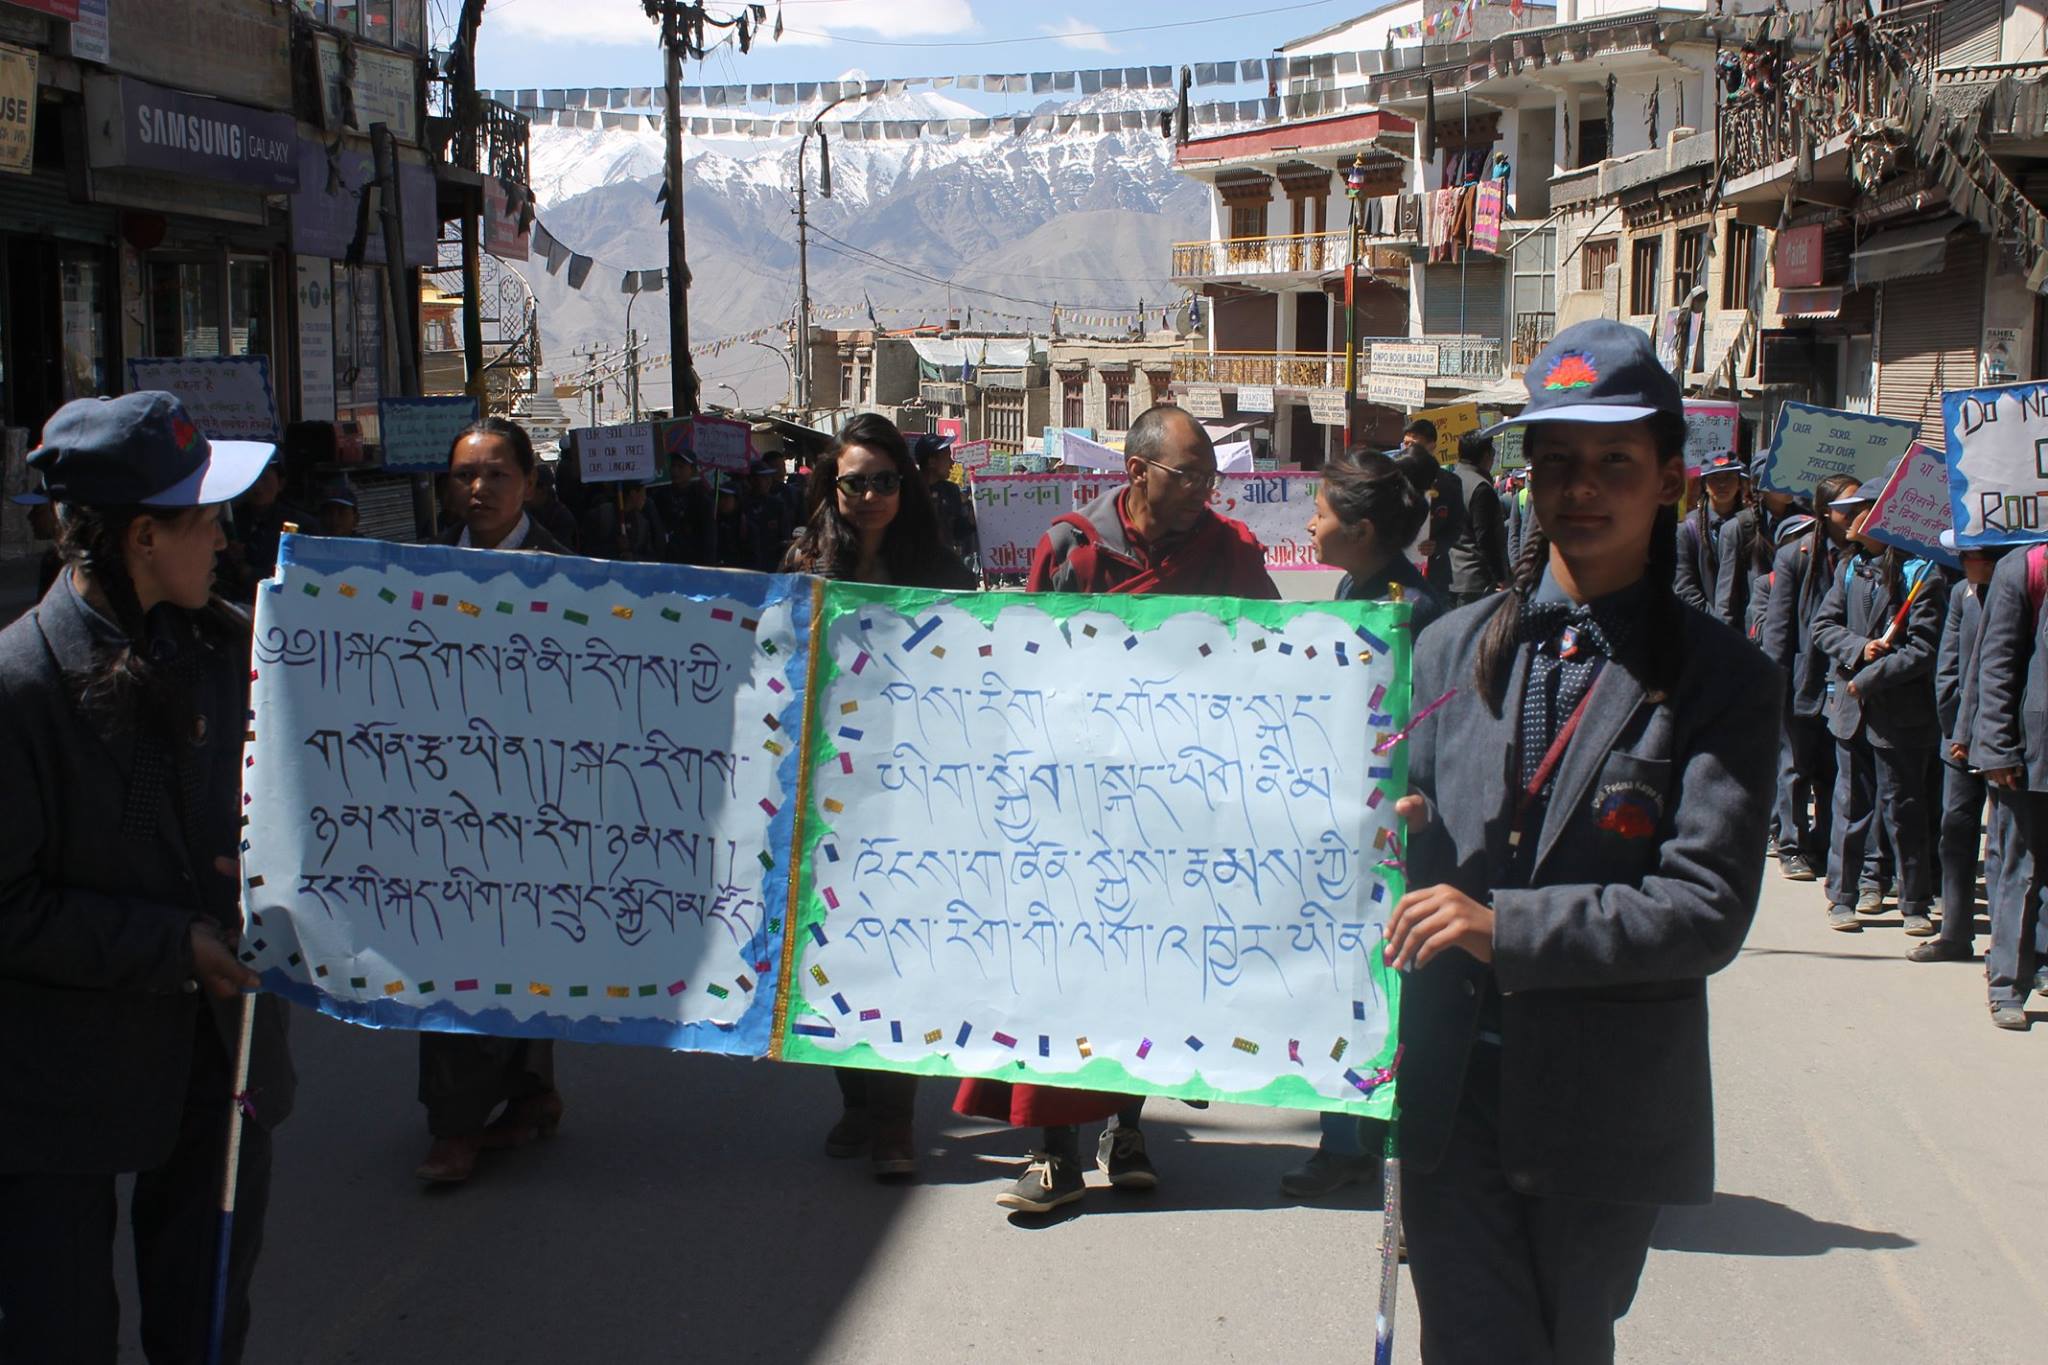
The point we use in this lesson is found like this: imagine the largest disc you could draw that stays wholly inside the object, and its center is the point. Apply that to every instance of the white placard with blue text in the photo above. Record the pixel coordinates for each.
(1811, 443)
(1998, 463)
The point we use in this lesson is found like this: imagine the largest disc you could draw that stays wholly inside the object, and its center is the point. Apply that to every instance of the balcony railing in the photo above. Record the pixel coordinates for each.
(493, 142)
(1532, 333)
(952, 394)
(1303, 253)
(1828, 95)
(1463, 358)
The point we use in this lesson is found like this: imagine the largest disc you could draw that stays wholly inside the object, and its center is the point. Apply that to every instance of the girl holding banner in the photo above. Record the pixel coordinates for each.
(1567, 906)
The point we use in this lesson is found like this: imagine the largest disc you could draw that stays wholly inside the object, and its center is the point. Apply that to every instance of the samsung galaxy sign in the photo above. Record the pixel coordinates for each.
(147, 127)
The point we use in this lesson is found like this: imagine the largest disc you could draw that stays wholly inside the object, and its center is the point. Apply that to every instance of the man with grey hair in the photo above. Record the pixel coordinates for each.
(1156, 534)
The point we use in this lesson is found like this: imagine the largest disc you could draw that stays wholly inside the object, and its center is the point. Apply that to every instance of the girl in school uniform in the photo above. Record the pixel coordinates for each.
(1720, 502)
(1961, 828)
(1879, 629)
(1567, 906)
(1367, 513)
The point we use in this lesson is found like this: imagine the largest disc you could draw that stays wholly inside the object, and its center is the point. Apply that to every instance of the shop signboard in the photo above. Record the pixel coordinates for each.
(384, 88)
(135, 125)
(1405, 357)
(324, 207)
(187, 45)
(17, 110)
(1327, 407)
(1396, 391)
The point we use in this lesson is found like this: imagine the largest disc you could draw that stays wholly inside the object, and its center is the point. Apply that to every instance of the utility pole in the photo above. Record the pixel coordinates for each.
(682, 372)
(807, 396)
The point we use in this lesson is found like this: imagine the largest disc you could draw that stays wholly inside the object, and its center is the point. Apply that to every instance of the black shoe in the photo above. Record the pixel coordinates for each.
(1048, 1182)
(1796, 869)
(1917, 926)
(1844, 918)
(1941, 950)
(1869, 901)
(2010, 1017)
(850, 1136)
(1326, 1172)
(894, 1154)
(1120, 1155)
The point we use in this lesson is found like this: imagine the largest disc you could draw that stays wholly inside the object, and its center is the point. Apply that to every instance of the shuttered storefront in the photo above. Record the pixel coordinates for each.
(1929, 331)
(1970, 31)
(1468, 298)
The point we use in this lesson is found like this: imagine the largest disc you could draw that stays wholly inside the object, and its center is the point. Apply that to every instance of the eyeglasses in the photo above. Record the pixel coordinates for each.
(1192, 480)
(881, 485)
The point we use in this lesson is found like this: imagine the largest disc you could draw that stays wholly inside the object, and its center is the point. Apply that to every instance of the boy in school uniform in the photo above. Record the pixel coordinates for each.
(1567, 906)
(1879, 628)
(2009, 745)
(1962, 787)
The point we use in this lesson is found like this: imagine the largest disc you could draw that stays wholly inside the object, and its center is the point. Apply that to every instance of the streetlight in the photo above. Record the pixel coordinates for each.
(735, 396)
(1354, 186)
(789, 394)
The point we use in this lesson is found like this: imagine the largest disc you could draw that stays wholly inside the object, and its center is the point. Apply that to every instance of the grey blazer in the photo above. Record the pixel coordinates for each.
(1645, 877)
(1893, 706)
(96, 1023)
(1788, 629)
(1955, 666)
(2011, 725)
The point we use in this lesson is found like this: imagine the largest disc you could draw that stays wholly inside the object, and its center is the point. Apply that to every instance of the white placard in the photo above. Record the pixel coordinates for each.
(1012, 511)
(1406, 357)
(1396, 391)
(1255, 398)
(1914, 509)
(1710, 429)
(1998, 463)
(1327, 407)
(229, 397)
(1203, 400)
(619, 454)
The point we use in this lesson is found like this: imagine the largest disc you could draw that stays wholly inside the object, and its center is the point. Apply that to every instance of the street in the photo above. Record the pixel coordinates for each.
(1882, 1199)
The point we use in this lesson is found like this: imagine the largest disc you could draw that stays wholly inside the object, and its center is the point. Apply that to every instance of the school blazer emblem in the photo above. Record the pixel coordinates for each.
(1628, 809)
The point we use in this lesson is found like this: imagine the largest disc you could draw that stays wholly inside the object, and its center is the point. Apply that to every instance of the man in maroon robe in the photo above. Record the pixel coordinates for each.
(1156, 534)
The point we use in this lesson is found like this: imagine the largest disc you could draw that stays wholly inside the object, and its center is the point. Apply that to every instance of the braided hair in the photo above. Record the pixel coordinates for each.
(1498, 640)
(1815, 587)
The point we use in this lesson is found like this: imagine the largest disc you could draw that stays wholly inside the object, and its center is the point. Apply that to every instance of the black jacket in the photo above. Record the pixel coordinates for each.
(1479, 551)
(96, 1019)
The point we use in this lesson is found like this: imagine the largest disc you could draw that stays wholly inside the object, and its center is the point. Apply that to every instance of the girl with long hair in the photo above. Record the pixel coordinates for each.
(1566, 906)
(123, 700)
(871, 520)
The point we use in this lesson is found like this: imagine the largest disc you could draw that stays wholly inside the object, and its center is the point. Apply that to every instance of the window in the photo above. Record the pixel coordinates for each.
(1644, 260)
(1073, 402)
(1248, 220)
(209, 305)
(1116, 402)
(1594, 258)
(1688, 264)
(849, 383)
(1535, 293)
(1004, 415)
(1592, 141)
(393, 23)
(1739, 271)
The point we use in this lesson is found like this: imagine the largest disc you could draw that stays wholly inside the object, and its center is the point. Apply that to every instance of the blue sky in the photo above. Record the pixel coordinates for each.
(611, 42)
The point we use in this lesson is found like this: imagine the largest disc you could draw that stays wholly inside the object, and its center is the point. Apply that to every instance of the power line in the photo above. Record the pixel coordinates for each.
(870, 258)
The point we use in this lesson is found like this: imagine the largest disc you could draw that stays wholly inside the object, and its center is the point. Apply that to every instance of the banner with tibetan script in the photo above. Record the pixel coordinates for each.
(1136, 844)
(521, 794)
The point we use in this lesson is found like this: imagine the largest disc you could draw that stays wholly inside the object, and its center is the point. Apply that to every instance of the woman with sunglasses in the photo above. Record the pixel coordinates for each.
(870, 520)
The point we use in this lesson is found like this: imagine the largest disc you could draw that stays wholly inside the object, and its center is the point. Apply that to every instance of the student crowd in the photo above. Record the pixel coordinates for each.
(1579, 861)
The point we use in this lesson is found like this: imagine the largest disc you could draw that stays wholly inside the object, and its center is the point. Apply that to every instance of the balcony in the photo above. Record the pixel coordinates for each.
(1467, 359)
(1821, 100)
(1300, 253)
(943, 393)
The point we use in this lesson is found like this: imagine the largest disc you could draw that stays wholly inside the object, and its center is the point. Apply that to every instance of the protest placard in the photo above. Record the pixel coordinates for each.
(718, 444)
(620, 454)
(1998, 463)
(1710, 429)
(228, 397)
(1013, 511)
(1020, 862)
(419, 433)
(972, 457)
(1079, 452)
(1452, 421)
(1811, 443)
(534, 796)
(1913, 510)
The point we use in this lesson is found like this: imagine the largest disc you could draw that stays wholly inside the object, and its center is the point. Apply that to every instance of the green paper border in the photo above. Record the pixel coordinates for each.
(1388, 621)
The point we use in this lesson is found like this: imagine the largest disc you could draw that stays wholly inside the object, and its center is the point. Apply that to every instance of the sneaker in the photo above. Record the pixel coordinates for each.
(1796, 869)
(1048, 1182)
(1120, 1155)
(1941, 950)
(1917, 926)
(850, 1136)
(2010, 1017)
(1326, 1172)
(2041, 981)
(1869, 901)
(894, 1154)
(1842, 917)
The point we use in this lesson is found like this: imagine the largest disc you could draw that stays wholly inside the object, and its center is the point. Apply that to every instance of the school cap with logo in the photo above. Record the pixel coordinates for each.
(1597, 371)
(141, 448)
(1864, 492)
(1724, 462)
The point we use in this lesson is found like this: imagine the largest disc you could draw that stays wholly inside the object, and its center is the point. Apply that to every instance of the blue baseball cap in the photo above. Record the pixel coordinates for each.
(1597, 371)
(1866, 491)
(1723, 462)
(141, 448)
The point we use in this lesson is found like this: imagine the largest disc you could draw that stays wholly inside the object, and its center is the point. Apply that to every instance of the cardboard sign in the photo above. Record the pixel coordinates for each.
(1452, 421)
(1998, 463)
(972, 457)
(1913, 510)
(1812, 443)
(1080, 452)
(722, 444)
(419, 433)
(1710, 429)
(618, 454)
(711, 810)
(229, 397)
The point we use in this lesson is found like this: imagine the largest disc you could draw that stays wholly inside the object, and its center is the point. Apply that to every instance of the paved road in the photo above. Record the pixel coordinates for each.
(1883, 1198)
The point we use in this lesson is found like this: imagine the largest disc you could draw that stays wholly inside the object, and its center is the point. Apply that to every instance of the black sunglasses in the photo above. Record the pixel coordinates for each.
(882, 485)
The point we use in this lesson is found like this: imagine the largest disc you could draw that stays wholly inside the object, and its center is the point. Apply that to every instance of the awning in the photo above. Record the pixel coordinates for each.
(1902, 253)
(1222, 431)
(1500, 392)
(1810, 303)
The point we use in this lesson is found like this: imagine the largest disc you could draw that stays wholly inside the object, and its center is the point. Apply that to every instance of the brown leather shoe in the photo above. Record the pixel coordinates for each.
(524, 1120)
(450, 1161)
(894, 1153)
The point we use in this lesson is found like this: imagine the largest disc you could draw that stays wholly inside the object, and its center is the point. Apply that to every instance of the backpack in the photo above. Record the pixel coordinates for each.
(2037, 576)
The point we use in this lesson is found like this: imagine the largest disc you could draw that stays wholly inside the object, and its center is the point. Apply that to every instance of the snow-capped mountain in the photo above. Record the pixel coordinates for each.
(1083, 219)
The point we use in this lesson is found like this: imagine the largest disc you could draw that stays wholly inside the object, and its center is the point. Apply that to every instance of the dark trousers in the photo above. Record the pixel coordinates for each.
(464, 1076)
(57, 1300)
(1806, 789)
(1502, 1276)
(888, 1097)
(1885, 789)
(1962, 830)
(2019, 936)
